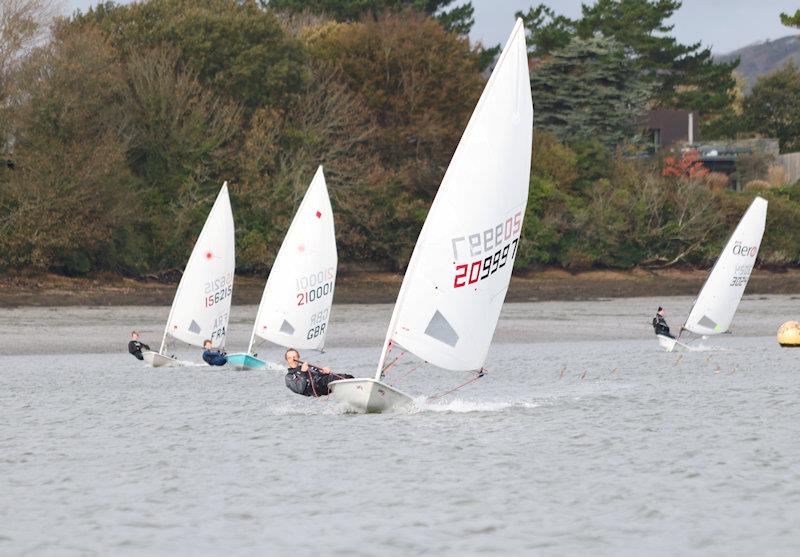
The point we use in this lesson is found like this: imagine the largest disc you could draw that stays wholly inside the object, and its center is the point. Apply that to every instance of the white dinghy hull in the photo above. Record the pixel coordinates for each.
(369, 396)
(673, 345)
(154, 359)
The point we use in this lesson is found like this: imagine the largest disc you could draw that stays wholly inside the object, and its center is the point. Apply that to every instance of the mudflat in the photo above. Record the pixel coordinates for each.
(382, 287)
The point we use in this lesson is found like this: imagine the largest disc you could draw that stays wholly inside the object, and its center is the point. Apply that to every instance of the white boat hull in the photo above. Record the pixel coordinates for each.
(673, 345)
(154, 359)
(369, 396)
(667, 343)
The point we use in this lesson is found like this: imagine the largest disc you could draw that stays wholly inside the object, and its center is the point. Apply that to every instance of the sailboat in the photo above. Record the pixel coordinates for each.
(202, 302)
(719, 298)
(458, 274)
(296, 304)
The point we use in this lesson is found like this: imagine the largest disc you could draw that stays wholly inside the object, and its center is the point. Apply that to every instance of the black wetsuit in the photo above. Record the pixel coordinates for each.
(135, 347)
(661, 327)
(214, 357)
(299, 381)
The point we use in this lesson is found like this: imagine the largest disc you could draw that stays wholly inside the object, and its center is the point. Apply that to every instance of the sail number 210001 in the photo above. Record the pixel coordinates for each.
(495, 247)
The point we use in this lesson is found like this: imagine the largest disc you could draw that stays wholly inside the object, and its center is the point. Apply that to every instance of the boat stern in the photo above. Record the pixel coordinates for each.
(242, 362)
(667, 343)
(154, 359)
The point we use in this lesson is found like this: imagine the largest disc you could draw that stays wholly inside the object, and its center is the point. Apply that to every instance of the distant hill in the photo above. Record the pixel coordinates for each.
(762, 58)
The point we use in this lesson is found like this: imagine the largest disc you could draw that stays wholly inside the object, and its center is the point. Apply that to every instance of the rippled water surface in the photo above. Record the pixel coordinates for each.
(582, 439)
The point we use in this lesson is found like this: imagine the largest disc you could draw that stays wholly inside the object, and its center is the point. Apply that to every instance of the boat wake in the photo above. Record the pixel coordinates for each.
(421, 405)
(461, 406)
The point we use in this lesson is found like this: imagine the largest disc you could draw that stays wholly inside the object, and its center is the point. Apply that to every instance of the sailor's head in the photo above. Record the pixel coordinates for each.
(660, 311)
(135, 335)
(206, 344)
(292, 357)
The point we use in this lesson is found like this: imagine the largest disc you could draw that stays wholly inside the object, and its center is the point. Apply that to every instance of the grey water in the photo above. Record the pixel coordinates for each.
(582, 438)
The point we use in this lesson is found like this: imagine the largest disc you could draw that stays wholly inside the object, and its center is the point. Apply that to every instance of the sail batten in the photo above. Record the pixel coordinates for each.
(719, 298)
(296, 303)
(455, 284)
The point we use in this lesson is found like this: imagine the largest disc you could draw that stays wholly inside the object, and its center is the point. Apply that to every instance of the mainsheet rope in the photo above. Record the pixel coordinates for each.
(311, 377)
(480, 374)
(406, 374)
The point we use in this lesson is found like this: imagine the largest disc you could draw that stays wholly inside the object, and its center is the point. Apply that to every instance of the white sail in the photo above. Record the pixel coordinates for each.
(296, 303)
(717, 302)
(202, 303)
(457, 278)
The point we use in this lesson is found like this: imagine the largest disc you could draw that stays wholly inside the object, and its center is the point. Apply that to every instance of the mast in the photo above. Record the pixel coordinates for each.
(169, 319)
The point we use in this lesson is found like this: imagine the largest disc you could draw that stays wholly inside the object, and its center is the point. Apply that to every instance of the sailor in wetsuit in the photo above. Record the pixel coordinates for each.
(308, 380)
(660, 324)
(135, 347)
(213, 356)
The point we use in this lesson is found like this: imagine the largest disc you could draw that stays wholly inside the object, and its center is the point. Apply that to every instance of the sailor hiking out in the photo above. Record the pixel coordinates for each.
(660, 324)
(308, 380)
(135, 346)
(213, 356)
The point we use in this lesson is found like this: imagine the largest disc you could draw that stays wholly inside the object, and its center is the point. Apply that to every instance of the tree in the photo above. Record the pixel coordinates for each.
(420, 82)
(68, 205)
(233, 46)
(791, 20)
(684, 76)
(458, 19)
(590, 90)
(327, 124)
(23, 25)
(181, 141)
(773, 107)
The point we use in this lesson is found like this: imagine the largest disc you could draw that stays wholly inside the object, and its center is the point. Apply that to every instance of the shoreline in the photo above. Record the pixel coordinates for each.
(382, 287)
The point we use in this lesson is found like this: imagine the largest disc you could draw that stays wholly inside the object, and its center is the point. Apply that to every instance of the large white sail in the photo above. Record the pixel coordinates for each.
(457, 278)
(202, 303)
(296, 303)
(717, 302)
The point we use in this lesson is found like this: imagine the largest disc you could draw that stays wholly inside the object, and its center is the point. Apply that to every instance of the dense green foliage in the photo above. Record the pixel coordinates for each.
(589, 90)
(683, 76)
(791, 20)
(123, 126)
(773, 108)
(458, 18)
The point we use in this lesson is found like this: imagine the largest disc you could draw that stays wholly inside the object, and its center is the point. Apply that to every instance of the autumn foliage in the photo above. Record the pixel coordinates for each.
(688, 165)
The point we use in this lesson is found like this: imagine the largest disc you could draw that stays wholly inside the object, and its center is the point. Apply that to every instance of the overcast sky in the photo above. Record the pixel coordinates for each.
(724, 25)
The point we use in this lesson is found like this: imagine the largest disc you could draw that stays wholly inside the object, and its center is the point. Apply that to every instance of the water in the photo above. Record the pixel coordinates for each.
(583, 438)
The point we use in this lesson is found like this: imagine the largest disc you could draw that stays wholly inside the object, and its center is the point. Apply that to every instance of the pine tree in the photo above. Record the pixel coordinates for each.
(791, 20)
(683, 76)
(590, 90)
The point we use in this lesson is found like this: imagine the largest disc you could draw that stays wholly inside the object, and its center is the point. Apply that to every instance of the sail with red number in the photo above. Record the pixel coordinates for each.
(453, 290)
(296, 304)
(202, 303)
